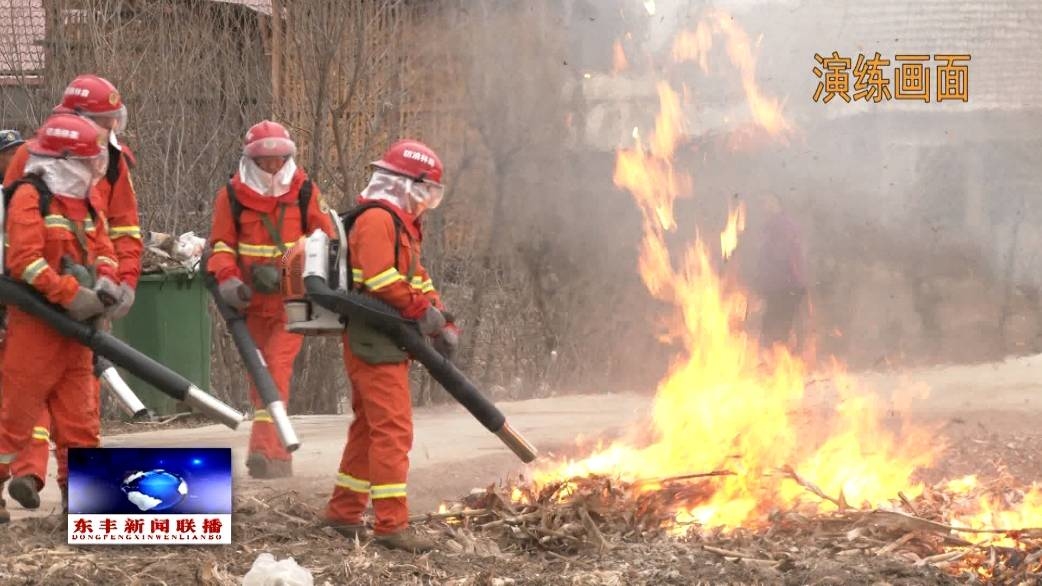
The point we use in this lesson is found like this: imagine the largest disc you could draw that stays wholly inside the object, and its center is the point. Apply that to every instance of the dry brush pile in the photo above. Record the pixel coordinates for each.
(581, 531)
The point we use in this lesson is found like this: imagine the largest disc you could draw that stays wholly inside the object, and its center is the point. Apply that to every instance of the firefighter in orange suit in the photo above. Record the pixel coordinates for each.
(57, 243)
(262, 211)
(10, 140)
(384, 249)
(98, 100)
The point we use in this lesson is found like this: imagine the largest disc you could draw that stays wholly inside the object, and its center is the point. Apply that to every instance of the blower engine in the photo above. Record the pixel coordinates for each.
(318, 299)
(302, 315)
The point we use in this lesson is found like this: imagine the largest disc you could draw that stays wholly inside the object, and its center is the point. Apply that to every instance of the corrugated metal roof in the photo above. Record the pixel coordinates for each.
(22, 28)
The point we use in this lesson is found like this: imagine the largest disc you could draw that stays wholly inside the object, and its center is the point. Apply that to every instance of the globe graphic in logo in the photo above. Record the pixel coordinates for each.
(155, 490)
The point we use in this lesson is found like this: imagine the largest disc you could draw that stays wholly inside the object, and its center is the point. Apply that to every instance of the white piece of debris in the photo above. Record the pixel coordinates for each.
(268, 572)
(164, 252)
(189, 249)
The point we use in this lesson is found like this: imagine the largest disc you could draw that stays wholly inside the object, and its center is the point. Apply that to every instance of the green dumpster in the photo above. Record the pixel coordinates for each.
(170, 322)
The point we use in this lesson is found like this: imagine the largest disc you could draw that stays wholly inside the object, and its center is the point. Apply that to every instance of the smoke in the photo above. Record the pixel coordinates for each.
(919, 219)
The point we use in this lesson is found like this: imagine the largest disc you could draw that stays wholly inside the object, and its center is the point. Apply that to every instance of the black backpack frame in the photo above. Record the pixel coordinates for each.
(303, 200)
(45, 195)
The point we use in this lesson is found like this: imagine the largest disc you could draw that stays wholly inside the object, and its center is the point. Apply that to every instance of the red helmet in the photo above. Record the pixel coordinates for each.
(90, 95)
(97, 98)
(268, 139)
(413, 159)
(68, 136)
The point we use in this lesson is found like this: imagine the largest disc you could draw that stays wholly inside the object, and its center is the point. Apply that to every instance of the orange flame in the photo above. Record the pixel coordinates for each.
(695, 46)
(735, 226)
(720, 407)
(992, 510)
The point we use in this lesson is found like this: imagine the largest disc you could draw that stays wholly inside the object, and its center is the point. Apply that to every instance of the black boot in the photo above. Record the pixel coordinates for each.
(260, 466)
(65, 499)
(25, 490)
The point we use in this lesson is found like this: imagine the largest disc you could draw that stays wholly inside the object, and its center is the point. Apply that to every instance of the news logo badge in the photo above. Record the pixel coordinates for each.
(142, 496)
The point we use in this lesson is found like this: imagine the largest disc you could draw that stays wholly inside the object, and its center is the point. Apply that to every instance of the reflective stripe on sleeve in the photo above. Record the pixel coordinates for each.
(34, 269)
(125, 232)
(384, 279)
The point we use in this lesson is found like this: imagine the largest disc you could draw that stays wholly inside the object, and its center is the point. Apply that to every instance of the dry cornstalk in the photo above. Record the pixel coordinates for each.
(896, 544)
(812, 488)
(450, 515)
(645, 481)
(730, 553)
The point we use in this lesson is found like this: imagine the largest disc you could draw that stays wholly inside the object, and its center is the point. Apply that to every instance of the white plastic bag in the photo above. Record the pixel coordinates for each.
(189, 249)
(268, 572)
(189, 246)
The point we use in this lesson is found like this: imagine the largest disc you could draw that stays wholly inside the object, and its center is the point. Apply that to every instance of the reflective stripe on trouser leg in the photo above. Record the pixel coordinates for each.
(32, 459)
(279, 349)
(346, 505)
(387, 491)
(351, 483)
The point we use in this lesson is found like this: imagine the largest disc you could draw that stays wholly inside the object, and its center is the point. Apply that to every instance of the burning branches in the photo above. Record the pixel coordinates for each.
(582, 517)
(724, 394)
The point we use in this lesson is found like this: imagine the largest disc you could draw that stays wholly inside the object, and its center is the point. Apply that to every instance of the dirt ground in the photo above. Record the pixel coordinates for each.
(989, 414)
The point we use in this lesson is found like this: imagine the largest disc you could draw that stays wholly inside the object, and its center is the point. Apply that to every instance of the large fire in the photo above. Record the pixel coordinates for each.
(727, 404)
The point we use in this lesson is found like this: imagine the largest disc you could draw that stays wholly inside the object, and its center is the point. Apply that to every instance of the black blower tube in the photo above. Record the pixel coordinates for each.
(254, 363)
(108, 346)
(382, 317)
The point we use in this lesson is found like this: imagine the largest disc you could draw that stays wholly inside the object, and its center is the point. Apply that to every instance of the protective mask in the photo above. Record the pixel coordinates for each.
(412, 196)
(115, 121)
(394, 189)
(264, 183)
(72, 178)
(425, 196)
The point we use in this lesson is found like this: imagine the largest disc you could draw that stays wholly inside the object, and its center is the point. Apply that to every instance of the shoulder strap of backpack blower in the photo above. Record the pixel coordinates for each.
(112, 171)
(46, 195)
(303, 200)
(44, 192)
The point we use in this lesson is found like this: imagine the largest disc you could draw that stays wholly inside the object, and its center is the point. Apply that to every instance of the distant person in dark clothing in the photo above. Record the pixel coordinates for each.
(781, 278)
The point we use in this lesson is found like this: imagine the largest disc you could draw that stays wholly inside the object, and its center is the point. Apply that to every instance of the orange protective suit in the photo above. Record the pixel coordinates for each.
(375, 462)
(114, 197)
(235, 253)
(45, 372)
